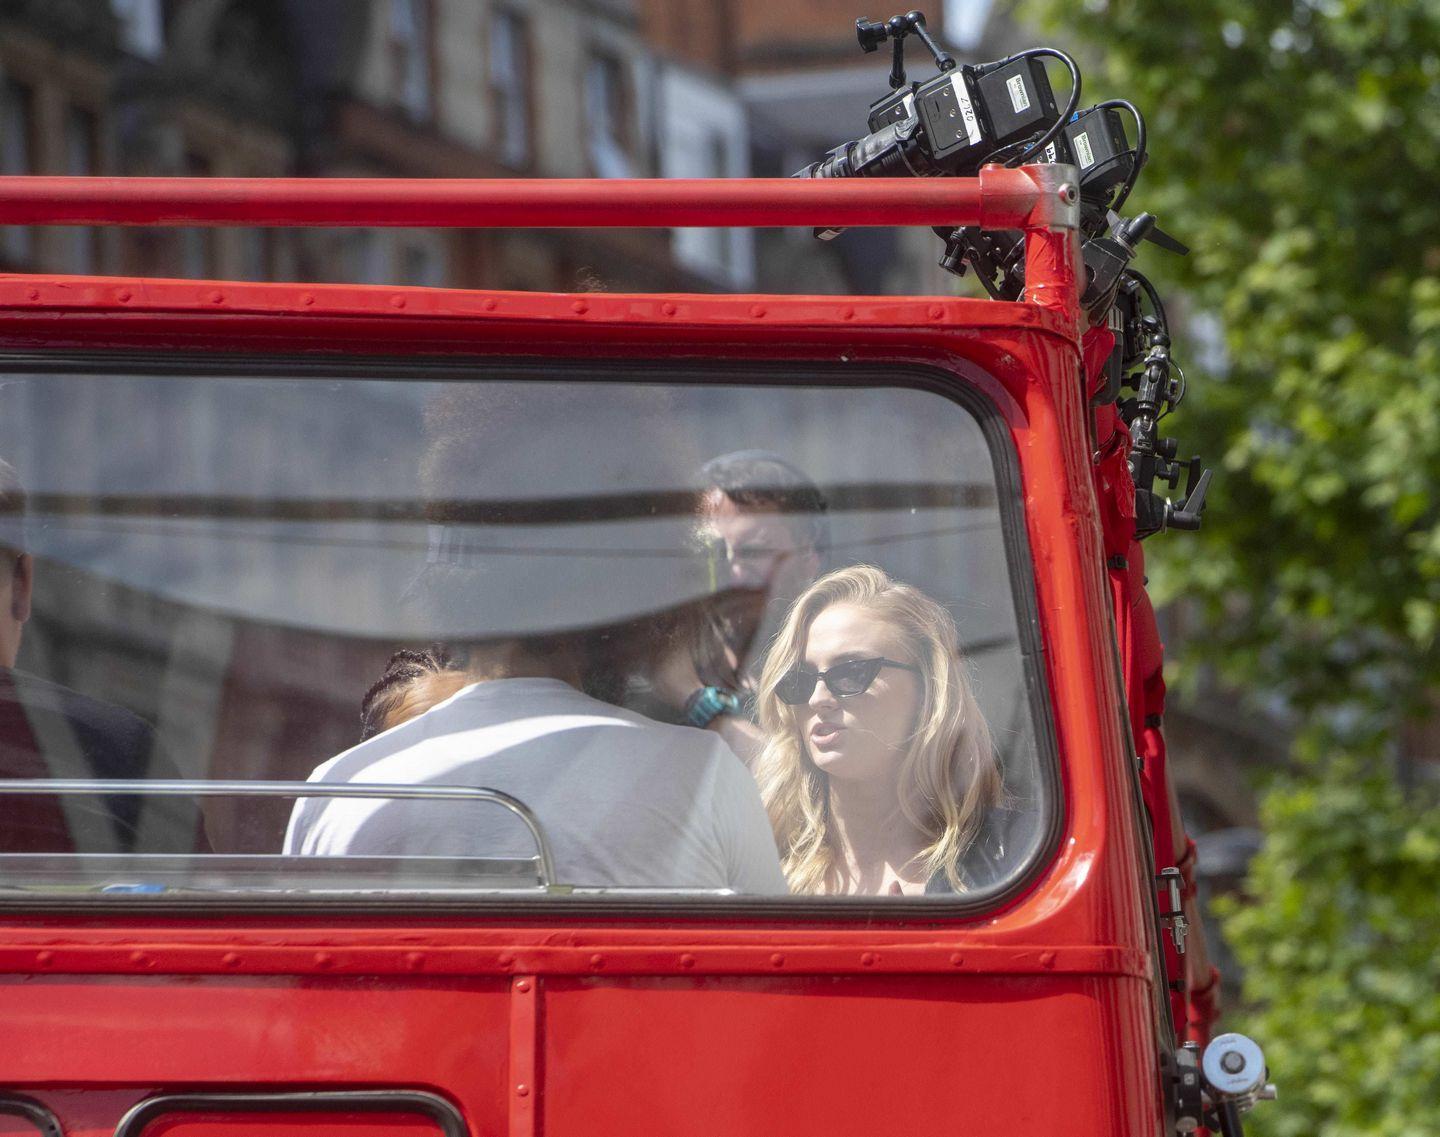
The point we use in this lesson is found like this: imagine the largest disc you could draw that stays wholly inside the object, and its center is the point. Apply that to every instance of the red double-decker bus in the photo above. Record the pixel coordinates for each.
(230, 504)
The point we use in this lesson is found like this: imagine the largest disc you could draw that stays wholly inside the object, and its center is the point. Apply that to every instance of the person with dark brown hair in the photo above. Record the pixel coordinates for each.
(414, 681)
(766, 527)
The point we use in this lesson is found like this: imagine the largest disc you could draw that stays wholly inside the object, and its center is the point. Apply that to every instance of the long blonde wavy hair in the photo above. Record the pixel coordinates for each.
(948, 777)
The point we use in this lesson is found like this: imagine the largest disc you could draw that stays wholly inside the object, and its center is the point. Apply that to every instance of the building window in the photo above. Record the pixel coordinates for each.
(257, 254)
(142, 27)
(964, 22)
(366, 256)
(283, 254)
(712, 246)
(704, 133)
(720, 254)
(17, 106)
(195, 254)
(82, 144)
(423, 261)
(509, 73)
(410, 71)
(197, 246)
(610, 116)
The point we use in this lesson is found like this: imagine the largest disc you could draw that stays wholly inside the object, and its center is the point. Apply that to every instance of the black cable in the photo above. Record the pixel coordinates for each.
(1154, 297)
(1155, 302)
(1141, 153)
(1096, 170)
(1050, 135)
(1003, 152)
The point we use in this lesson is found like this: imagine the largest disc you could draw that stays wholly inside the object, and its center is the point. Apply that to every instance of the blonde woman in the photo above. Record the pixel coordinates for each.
(878, 771)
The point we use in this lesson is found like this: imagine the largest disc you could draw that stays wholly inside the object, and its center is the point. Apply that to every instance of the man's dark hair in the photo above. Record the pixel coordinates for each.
(405, 667)
(760, 479)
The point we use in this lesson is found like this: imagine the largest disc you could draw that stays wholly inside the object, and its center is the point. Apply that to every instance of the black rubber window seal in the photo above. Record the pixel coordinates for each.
(18, 1105)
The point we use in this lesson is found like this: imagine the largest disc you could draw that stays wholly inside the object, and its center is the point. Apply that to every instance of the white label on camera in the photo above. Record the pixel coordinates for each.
(1019, 96)
(1050, 153)
(1083, 151)
(967, 112)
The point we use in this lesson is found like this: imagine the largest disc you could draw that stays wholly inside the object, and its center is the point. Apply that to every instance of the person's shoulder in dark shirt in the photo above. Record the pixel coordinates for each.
(52, 732)
(992, 855)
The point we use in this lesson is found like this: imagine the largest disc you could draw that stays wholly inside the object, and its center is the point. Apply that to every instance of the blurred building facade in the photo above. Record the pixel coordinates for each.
(455, 88)
(381, 88)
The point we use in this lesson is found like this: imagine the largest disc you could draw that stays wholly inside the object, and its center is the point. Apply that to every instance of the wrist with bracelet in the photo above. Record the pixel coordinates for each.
(709, 703)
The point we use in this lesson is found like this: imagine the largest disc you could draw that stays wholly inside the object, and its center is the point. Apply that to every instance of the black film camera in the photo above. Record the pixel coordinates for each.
(953, 122)
(968, 116)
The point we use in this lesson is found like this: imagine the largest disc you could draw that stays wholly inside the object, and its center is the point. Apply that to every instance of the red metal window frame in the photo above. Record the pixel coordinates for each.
(1039, 337)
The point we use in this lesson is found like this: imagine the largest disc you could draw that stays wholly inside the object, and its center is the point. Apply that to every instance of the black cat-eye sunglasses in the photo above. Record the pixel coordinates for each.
(844, 680)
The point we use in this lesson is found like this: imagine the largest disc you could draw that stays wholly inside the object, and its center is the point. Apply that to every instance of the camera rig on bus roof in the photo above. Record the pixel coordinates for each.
(971, 115)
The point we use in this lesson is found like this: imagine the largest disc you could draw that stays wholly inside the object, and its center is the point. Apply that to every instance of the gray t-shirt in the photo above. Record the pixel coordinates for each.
(624, 801)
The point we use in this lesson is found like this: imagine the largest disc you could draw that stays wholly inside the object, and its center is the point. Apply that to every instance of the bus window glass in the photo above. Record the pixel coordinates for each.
(673, 623)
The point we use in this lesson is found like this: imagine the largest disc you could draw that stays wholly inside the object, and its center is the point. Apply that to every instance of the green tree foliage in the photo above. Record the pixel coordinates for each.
(1296, 147)
(1339, 947)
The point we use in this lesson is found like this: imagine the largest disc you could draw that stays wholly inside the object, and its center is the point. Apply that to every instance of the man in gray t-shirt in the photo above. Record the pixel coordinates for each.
(624, 801)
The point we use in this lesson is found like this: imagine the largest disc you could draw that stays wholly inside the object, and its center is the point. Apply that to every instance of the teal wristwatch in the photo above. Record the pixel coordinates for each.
(708, 703)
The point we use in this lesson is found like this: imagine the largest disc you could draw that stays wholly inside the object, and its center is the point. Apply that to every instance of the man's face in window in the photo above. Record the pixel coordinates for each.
(761, 548)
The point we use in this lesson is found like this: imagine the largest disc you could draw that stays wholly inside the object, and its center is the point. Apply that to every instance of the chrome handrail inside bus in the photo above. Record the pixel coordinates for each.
(75, 787)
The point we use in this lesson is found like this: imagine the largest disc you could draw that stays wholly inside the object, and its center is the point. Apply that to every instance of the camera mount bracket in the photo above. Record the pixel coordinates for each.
(872, 33)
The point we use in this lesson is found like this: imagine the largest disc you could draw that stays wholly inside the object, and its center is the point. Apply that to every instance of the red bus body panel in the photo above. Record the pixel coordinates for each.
(1042, 1017)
